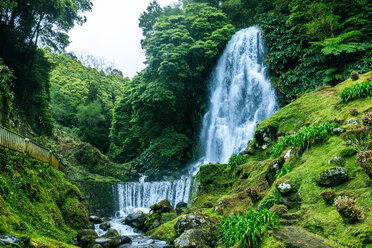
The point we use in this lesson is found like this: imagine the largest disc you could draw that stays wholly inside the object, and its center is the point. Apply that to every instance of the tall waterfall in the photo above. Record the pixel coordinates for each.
(240, 96)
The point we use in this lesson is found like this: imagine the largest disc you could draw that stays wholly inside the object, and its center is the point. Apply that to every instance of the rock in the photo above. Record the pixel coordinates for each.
(285, 188)
(112, 233)
(125, 240)
(105, 226)
(249, 151)
(354, 75)
(266, 135)
(7, 239)
(336, 160)
(222, 205)
(191, 221)
(181, 207)
(95, 219)
(192, 238)
(351, 122)
(288, 154)
(289, 200)
(97, 246)
(163, 206)
(136, 219)
(353, 112)
(368, 239)
(108, 242)
(86, 237)
(273, 170)
(332, 177)
(338, 130)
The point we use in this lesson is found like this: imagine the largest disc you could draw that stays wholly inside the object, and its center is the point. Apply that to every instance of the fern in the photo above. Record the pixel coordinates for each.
(359, 90)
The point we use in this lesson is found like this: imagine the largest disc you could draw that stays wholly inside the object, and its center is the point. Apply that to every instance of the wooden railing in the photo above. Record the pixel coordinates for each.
(19, 143)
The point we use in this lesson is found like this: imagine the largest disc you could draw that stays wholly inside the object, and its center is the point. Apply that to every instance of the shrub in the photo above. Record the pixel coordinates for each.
(237, 159)
(348, 209)
(249, 229)
(354, 112)
(367, 119)
(305, 138)
(359, 90)
(354, 75)
(358, 138)
(364, 159)
(279, 210)
(328, 196)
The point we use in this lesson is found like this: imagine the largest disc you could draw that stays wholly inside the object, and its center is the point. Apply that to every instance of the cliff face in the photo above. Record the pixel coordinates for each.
(307, 179)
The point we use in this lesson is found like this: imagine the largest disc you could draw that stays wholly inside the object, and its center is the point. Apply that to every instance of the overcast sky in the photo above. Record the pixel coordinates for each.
(112, 33)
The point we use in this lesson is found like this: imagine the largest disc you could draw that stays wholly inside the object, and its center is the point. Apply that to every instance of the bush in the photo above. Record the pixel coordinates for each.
(305, 138)
(348, 209)
(237, 159)
(249, 229)
(279, 210)
(359, 90)
(367, 119)
(364, 159)
(328, 196)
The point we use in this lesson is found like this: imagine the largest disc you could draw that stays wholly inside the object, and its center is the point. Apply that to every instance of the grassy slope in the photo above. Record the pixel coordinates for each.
(220, 188)
(36, 200)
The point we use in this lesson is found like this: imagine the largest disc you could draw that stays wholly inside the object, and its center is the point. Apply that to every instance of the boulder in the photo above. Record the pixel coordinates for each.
(191, 221)
(180, 207)
(108, 242)
(86, 237)
(285, 188)
(105, 226)
(136, 219)
(332, 177)
(163, 206)
(193, 238)
(338, 130)
(7, 239)
(125, 240)
(266, 135)
(95, 219)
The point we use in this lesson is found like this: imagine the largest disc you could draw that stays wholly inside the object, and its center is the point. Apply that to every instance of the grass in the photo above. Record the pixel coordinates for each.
(359, 90)
(249, 229)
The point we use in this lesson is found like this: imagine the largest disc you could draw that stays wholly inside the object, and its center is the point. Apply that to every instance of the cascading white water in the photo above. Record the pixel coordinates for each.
(240, 96)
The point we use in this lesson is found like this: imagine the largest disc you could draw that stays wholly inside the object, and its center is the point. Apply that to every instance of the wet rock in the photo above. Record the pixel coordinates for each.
(86, 237)
(95, 219)
(191, 221)
(136, 219)
(351, 122)
(97, 246)
(222, 205)
(163, 206)
(332, 177)
(285, 188)
(181, 207)
(338, 130)
(108, 242)
(105, 226)
(290, 200)
(7, 239)
(266, 135)
(193, 238)
(125, 240)
(273, 170)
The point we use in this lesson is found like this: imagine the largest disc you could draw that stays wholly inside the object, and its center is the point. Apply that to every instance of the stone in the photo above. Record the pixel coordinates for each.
(136, 219)
(86, 237)
(95, 219)
(7, 239)
(368, 239)
(338, 130)
(285, 188)
(273, 170)
(351, 122)
(105, 226)
(181, 207)
(163, 206)
(266, 135)
(125, 240)
(108, 242)
(191, 221)
(332, 177)
(288, 154)
(192, 238)
(97, 246)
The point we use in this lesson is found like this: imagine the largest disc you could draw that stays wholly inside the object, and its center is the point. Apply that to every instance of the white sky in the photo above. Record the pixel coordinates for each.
(111, 32)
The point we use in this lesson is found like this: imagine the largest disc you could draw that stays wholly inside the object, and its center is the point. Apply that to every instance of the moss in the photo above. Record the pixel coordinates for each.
(35, 199)
(271, 242)
(165, 231)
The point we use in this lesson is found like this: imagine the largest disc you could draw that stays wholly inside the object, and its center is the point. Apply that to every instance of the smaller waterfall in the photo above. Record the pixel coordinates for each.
(141, 195)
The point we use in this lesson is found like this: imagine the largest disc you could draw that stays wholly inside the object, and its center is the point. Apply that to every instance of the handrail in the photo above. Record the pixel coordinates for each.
(20, 143)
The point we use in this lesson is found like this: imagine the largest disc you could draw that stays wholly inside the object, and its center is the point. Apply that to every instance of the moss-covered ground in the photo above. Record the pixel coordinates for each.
(37, 201)
(223, 191)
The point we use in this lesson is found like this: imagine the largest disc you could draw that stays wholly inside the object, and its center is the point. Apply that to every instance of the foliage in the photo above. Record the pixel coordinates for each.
(284, 171)
(181, 49)
(6, 94)
(358, 138)
(348, 209)
(359, 90)
(271, 200)
(305, 138)
(249, 229)
(237, 159)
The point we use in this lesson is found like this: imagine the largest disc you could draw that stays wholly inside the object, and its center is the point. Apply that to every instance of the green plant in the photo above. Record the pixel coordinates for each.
(348, 209)
(284, 171)
(249, 229)
(358, 138)
(270, 200)
(237, 159)
(359, 90)
(305, 138)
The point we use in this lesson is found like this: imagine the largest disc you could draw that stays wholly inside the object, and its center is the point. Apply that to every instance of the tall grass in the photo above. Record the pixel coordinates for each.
(249, 229)
(305, 138)
(359, 90)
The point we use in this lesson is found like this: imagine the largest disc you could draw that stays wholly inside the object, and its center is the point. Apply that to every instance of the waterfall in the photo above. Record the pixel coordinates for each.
(240, 97)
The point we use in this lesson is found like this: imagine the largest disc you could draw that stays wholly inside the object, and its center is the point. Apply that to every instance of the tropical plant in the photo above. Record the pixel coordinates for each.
(305, 138)
(271, 200)
(359, 90)
(249, 229)
(237, 159)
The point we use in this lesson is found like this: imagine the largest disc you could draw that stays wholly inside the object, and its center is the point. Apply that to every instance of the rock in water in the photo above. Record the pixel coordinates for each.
(163, 206)
(191, 221)
(86, 237)
(332, 177)
(95, 219)
(136, 219)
